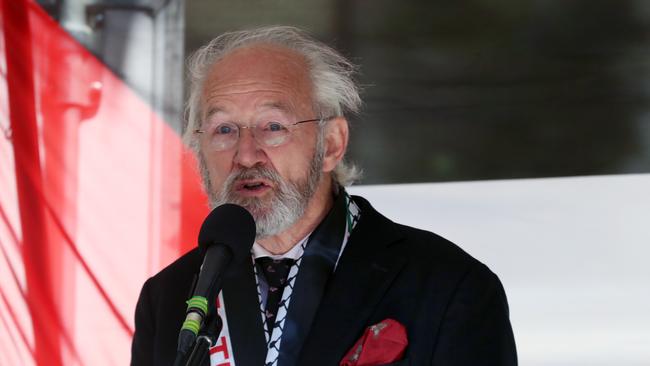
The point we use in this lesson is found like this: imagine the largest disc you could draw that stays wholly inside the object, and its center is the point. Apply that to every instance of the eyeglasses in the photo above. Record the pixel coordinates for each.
(225, 135)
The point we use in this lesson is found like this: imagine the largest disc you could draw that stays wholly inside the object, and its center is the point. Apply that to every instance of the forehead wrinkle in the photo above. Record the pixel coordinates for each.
(282, 103)
(247, 83)
(216, 94)
(270, 105)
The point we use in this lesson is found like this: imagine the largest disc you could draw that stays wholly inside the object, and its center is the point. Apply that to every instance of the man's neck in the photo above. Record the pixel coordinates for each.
(318, 207)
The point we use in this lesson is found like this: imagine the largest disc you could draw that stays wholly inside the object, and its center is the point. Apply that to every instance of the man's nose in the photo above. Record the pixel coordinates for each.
(248, 152)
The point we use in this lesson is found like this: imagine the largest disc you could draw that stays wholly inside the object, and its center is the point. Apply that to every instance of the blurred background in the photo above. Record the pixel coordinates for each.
(517, 95)
(453, 90)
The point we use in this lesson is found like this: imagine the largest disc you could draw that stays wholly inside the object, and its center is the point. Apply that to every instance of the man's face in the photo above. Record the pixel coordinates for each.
(251, 85)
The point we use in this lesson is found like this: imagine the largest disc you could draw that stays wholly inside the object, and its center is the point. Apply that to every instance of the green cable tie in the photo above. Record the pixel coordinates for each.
(192, 325)
(198, 302)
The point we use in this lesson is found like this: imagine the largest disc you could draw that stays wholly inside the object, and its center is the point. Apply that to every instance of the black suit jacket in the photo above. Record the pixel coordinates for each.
(453, 307)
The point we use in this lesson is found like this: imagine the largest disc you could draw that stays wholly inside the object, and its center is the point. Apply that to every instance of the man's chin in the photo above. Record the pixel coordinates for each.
(257, 206)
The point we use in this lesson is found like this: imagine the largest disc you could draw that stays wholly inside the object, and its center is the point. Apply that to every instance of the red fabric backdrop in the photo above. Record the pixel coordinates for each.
(96, 194)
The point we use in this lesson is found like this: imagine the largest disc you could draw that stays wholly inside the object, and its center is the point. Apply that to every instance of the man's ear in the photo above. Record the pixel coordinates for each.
(336, 142)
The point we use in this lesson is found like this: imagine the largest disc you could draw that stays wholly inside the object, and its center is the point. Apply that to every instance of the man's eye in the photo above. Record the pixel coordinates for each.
(224, 129)
(275, 127)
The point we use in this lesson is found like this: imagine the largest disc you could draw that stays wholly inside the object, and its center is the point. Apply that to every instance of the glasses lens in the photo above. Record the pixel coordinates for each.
(223, 136)
(272, 133)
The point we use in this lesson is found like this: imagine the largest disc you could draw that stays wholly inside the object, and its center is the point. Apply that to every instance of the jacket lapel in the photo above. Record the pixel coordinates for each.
(244, 317)
(317, 265)
(369, 264)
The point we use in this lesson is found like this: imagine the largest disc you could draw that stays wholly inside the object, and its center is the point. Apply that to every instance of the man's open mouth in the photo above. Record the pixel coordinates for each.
(252, 186)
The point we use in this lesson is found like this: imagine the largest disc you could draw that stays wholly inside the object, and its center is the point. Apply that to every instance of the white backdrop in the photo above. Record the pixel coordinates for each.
(573, 255)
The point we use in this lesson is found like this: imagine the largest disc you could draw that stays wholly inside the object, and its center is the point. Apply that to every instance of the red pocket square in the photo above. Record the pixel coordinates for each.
(384, 342)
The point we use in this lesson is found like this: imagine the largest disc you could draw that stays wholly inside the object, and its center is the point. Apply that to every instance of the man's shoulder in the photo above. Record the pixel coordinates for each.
(179, 271)
(423, 248)
(424, 241)
(431, 252)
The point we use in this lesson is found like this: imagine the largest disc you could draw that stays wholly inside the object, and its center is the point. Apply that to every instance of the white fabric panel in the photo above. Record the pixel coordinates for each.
(572, 254)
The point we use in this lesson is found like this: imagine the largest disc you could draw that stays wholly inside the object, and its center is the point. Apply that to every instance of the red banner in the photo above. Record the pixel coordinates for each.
(96, 194)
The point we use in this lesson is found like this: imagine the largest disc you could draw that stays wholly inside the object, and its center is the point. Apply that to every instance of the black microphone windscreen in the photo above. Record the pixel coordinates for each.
(230, 225)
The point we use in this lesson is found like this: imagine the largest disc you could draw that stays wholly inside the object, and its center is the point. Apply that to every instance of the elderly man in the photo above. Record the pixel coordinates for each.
(330, 281)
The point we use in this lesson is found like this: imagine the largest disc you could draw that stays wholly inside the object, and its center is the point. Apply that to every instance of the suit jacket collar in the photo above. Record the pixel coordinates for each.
(367, 267)
(317, 265)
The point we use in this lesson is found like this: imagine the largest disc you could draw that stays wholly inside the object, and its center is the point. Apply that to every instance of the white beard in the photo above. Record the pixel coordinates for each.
(288, 201)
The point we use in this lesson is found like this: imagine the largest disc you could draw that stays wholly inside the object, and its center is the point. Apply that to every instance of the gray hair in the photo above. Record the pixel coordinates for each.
(335, 91)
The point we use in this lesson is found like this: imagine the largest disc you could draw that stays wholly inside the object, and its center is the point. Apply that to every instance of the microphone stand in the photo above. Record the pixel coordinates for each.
(207, 337)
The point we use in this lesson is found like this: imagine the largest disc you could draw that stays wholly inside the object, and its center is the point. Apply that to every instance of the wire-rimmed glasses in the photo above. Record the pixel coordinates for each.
(225, 135)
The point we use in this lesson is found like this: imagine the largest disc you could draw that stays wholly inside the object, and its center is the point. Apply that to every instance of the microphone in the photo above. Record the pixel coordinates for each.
(226, 237)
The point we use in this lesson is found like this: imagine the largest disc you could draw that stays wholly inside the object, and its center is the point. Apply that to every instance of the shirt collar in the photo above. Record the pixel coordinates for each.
(294, 253)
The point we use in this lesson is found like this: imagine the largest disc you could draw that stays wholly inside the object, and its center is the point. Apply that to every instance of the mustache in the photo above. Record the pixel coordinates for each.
(255, 172)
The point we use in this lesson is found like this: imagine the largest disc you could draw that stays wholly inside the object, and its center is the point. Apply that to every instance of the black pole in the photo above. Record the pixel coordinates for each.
(207, 338)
